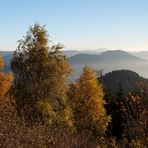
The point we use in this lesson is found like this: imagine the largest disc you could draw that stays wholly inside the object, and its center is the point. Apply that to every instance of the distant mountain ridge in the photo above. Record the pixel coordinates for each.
(70, 53)
(83, 58)
(7, 56)
(108, 60)
(107, 55)
(4, 53)
(141, 54)
(118, 55)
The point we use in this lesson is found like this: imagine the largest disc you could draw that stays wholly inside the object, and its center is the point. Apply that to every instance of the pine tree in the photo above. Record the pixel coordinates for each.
(86, 100)
(40, 74)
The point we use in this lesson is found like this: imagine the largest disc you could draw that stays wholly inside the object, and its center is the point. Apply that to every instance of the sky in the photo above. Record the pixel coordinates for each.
(78, 24)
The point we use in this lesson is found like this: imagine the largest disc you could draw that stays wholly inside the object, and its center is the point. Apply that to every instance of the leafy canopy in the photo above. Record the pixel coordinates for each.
(86, 100)
(40, 73)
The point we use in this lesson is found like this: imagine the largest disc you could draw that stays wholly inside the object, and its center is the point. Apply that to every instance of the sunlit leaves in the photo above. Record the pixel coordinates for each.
(40, 73)
(86, 99)
(5, 82)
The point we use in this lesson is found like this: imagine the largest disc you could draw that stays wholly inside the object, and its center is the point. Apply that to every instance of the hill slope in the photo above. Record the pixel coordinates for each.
(109, 61)
(4, 53)
(7, 55)
(119, 55)
(125, 79)
(141, 54)
(105, 56)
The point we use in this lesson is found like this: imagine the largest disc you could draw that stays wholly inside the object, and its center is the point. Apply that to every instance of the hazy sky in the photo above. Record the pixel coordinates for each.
(78, 24)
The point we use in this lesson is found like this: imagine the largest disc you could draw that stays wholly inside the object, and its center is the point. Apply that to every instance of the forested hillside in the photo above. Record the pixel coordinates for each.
(39, 109)
(122, 79)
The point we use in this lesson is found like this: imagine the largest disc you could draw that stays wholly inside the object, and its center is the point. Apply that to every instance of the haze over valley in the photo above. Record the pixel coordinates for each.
(101, 59)
(74, 73)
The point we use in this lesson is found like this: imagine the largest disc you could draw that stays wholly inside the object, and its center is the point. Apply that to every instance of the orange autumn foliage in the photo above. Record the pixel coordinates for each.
(86, 100)
(1, 63)
(5, 82)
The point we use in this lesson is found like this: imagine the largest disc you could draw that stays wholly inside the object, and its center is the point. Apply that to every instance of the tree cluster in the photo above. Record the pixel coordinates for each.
(37, 90)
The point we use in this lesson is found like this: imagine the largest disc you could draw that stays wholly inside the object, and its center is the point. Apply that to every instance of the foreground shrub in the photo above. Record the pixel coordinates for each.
(17, 133)
(136, 118)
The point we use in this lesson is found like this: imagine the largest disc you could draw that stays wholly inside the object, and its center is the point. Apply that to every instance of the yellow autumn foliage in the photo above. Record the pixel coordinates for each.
(46, 110)
(40, 74)
(86, 99)
(5, 82)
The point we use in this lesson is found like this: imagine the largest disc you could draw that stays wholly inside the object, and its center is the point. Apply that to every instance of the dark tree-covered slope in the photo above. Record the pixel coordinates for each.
(121, 79)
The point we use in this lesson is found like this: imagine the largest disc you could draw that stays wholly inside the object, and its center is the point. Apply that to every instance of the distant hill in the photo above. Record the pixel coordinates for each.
(126, 79)
(4, 53)
(116, 55)
(141, 54)
(70, 53)
(83, 58)
(109, 61)
(7, 59)
(7, 55)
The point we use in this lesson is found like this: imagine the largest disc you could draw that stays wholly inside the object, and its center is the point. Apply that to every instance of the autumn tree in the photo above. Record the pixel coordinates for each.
(40, 73)
(135, 115)
(86, 100)
(5, 82)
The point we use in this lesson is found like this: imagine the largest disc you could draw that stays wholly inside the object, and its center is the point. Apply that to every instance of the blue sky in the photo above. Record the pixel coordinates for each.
(78, 24)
